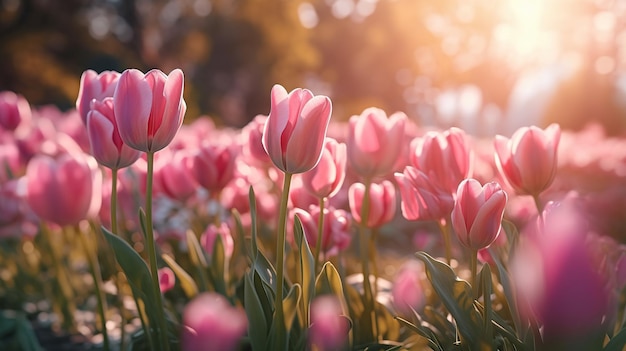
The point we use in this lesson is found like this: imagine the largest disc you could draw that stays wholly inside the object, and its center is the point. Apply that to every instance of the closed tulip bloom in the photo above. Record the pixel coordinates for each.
(64, 190)
(336, 234)
(375, 142)
(421, 198)
(94, 86)
(13, 110)
(176, 176)
(528, 160)
(329, 328)
(382, 202)
(252, 144)
(478, 212)
(106, 144)
(327, 177)
(408, 292)
(167, 279)
(208, 238)
(149, 108)
(210, 323)
(214, 166)
(295, 129)
(445, 157)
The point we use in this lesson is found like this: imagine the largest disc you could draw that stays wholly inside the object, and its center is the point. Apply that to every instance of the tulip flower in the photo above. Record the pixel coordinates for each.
(14, 109)
(408, 293)
(176, 175)
(477, 213)
(210, 323)
(252, 146)
(208, 238)
(327, 177)
(329, 328)
(382, 202)
(66, 189)
(374, 142)
(167, 279)
(214, 166)
(528, 160)
(444, 157)
(421, 198)
(149, 108)
(336, 234)
(104, 138)
(94, 86)
(295, 129)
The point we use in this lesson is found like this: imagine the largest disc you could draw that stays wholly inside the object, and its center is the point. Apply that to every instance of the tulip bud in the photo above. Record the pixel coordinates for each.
(94, 86)
(477, 213)
(214, 166)
(14, 109)
(528, 160)
(329, 328)
(295, 129)
(408, 293)
(421, 198)
(167, 279)
(327, 177)
(382, 202)
(208, 238)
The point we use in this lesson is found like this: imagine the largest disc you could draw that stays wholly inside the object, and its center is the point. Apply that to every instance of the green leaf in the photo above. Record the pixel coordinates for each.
(485, 278)
(307, 268)
(290, 305)
(505, 281)
(26, 335)
(258, 325)
(138, 275)
(241, 235)
(328, 281)
(218, 263)
(186, 282)
(253, 225)
(142, 222)
(424, 332)
(617, 342)
(456, 295)
(196, 255)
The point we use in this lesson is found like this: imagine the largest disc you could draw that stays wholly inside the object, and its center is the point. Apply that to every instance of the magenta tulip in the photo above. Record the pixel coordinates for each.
(167, 279)
(528, 161)
(445, 157)
(477, 213)
(295, 129)
(210, 323)
(94, 86)
(14, 109)
(104, 138)
(327, 177)
(149, 108)
(66, 189)
(382, 202)
(374, 142)
(421, 198)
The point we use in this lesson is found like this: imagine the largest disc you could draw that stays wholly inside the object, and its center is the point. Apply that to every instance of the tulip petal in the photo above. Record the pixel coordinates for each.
(133, 103)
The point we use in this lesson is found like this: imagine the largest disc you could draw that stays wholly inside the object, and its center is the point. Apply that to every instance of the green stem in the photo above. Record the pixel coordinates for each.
(114, 201)
(281, 336)
(447, 243)
(94, 268)
(373, 258)
(320, 232)
(474, 267)
(152, 254)
(368, 296)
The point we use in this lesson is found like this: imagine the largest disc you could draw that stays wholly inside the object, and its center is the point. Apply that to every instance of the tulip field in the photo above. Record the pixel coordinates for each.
(127, 224)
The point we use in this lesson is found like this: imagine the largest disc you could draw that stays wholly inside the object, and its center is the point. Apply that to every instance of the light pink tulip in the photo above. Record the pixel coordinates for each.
(382, 202)
(528, 161)
(375, 142)
(408, 292)
(252, 143)
(336, 234)
(299, 196)
(477, 213)
(65, 189)
(421, 198)
(214, 165)
(445, 157)
(210, 323)
(327, 177)
(208, 238)
(176, 175)
(329, 328)
(149, 108)
(104, 138)
(167, 279)
(94, 86)
(295, 129)
(13, 110)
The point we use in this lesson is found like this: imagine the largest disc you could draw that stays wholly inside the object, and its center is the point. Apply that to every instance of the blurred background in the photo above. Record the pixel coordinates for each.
(486, 66)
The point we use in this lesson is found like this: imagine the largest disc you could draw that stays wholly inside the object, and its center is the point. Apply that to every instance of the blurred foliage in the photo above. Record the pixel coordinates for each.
(394, 54)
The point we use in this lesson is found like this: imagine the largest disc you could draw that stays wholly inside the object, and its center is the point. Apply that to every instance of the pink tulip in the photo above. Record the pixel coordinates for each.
(295, 129)
(94, 86)
(208, 238)
(444, 157)
(408, 293)
(210, 323)
(104, 138)
(382, 202)
(477, 213)
(299, 196)
(327, 177)
(167, 279)
(336, 232)
(17, 220)
(176, 176)
(528, 161)
(10, 162)
(421, 198)
(65, 189)
(375, 142)
(329, 328)
(214, 166)
(252, 135)
(13, 110)
(149, 108)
